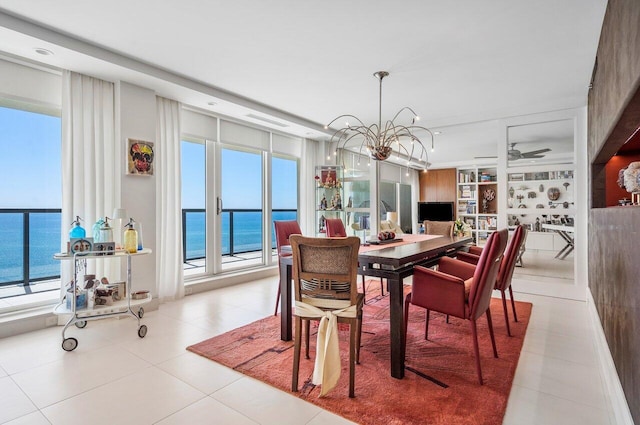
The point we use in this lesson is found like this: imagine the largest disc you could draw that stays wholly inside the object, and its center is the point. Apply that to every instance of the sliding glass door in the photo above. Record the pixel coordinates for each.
(284, 193)
(240, 208)
(194, 199)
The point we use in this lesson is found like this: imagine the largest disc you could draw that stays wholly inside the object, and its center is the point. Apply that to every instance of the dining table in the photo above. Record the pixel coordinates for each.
(393, 261)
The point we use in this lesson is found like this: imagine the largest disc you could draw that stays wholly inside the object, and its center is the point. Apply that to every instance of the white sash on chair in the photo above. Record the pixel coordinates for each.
(327, 369)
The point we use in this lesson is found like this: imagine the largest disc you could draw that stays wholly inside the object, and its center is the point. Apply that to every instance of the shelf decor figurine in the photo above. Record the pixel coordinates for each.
(487, 196)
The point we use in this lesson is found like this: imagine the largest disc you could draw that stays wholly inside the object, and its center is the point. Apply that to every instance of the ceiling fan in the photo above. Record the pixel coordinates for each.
(514, 154)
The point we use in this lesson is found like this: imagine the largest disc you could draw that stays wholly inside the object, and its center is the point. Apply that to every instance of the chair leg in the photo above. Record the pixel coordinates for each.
(506, 314)
(275, 313)
(358, 336)
(513, 304)
(407, 301)
(381, 287)
(493, 340)
(352, 360)
(476, 349)
(426, 324)
(364, 290)
(296, 354)
(447, 319)
(307, 331)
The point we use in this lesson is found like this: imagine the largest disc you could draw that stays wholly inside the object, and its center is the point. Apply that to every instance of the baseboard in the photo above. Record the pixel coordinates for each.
(619, 414)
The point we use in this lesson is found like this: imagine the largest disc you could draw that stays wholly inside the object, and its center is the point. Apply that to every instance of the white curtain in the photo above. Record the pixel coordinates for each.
(170, 284)
(90, 172)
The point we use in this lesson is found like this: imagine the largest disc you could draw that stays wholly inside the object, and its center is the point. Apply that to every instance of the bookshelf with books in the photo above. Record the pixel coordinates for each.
(477, 200)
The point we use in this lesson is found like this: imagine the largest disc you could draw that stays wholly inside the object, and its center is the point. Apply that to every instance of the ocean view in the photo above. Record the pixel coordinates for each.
(44, 239)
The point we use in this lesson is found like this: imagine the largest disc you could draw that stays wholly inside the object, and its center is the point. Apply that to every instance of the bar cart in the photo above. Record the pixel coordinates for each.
(123, 307)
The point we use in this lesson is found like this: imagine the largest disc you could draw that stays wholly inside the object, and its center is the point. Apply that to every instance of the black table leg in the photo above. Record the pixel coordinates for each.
(396, 326)
(285, 300)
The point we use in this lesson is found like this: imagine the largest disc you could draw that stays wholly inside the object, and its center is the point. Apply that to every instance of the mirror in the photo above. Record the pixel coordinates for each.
(540, 143)
(540, 195)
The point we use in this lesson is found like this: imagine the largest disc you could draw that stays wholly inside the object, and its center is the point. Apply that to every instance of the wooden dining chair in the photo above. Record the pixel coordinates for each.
(284, 229)
(325, 280)
(335, 229)
(443, 228)
(505, 273)
(459, 289)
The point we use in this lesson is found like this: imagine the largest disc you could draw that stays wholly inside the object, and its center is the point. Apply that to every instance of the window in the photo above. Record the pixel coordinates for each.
(242, 191)
(227, 222)
(194, 198)
(284, 192)
(30, 207)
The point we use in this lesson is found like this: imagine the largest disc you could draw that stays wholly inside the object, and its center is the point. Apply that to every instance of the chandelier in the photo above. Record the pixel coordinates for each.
(381, 142)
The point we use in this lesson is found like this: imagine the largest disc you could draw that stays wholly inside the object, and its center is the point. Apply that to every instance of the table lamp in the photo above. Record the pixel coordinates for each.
(119, 214)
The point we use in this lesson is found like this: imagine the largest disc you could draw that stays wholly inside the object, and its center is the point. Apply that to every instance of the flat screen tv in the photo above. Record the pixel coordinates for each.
(435, 211)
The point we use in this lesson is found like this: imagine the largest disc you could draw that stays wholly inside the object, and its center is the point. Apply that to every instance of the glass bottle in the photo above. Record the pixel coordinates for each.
(130, 238)
(77, 231)
(106, 232)
(95, 230)
(138, 227)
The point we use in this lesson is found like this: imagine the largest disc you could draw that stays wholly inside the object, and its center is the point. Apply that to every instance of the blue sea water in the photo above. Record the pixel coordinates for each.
(247, 232)
(44, 240)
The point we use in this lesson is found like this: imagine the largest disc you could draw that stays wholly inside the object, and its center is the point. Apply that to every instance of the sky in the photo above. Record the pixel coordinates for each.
(241, 179)
(30, 168)
(30, 173)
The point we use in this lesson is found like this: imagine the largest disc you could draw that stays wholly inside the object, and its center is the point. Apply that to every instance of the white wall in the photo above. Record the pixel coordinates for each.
(136, 119)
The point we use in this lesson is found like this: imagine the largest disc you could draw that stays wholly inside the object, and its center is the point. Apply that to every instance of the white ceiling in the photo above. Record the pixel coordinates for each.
(455, 62)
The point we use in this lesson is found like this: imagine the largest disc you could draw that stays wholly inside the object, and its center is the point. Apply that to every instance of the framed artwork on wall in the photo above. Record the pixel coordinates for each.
(140, 157)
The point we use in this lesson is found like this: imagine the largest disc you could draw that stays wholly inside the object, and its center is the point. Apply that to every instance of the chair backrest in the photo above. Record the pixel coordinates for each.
(484, 278)
(284, 229)
(325, 270)
(390, 226)
(509, 261)
(335, 228)
(444, 228)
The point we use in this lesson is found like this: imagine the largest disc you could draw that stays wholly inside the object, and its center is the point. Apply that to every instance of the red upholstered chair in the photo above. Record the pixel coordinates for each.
(507, 266)
(459, 289)
(284, 229)
(335, 229)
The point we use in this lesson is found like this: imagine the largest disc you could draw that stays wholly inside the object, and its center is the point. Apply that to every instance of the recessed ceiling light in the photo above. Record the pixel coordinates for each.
(437, 132)
(43, 52)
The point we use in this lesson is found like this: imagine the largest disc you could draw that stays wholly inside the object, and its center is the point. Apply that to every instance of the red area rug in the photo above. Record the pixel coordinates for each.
(440, 384)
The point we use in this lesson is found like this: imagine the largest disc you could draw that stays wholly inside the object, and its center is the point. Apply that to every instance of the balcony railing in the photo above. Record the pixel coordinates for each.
(30, 236)
(241, 231)
(28, 240)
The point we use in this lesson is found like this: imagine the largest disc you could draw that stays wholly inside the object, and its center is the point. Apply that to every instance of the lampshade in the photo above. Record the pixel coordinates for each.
(120, 213)
(392, 216)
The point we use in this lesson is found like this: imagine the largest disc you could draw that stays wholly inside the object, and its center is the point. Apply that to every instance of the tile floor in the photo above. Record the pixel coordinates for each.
(114, 377)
